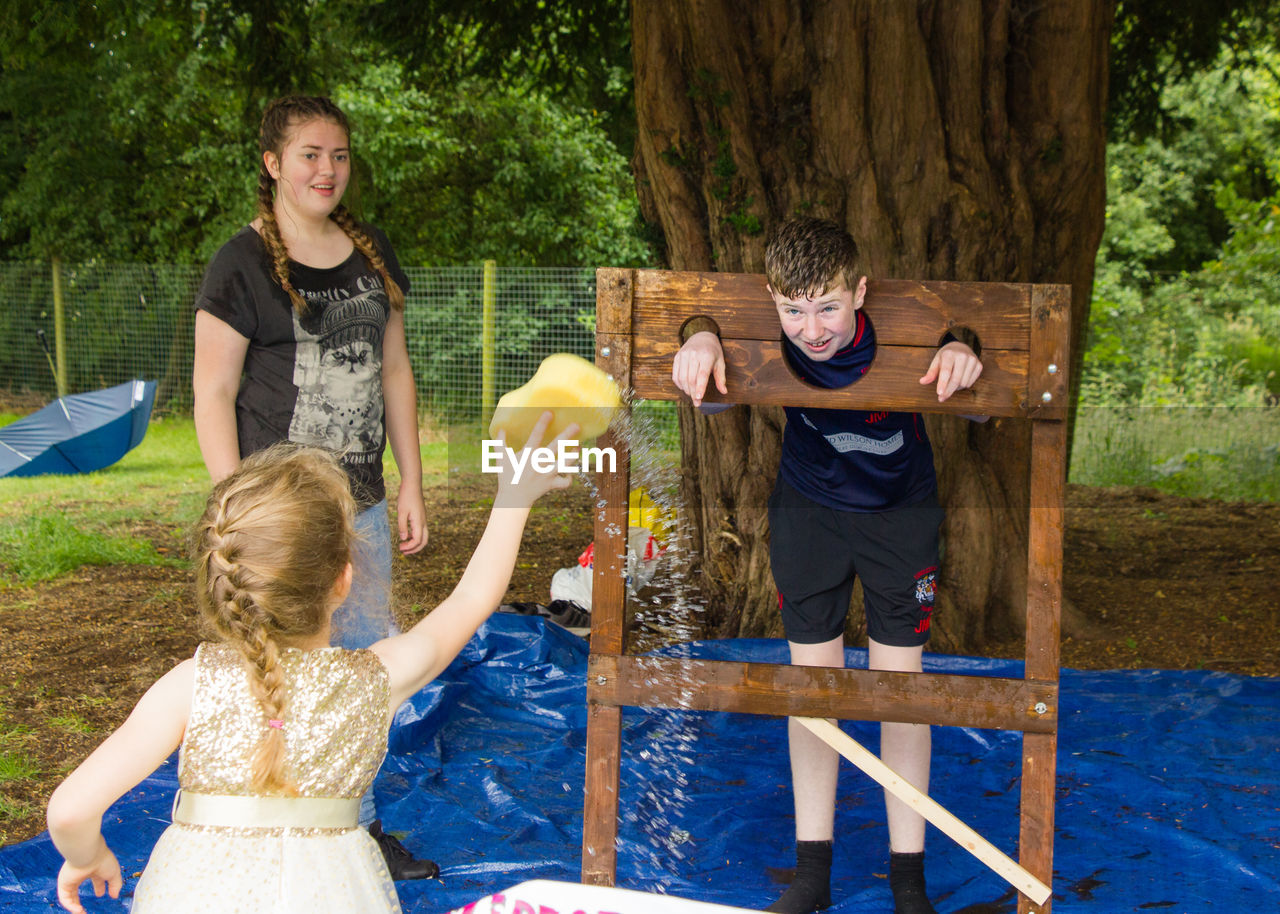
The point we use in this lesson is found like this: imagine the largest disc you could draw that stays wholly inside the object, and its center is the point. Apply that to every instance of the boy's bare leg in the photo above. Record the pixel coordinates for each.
(815, 767)
(906, 748)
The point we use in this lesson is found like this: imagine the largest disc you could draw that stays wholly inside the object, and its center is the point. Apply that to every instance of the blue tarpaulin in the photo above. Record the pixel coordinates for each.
(1167, 791)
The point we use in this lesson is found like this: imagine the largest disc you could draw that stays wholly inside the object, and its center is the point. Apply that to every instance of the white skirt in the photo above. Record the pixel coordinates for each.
(220, 870)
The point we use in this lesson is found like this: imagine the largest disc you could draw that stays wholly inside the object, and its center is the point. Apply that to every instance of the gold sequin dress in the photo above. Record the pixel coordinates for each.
(336, 732)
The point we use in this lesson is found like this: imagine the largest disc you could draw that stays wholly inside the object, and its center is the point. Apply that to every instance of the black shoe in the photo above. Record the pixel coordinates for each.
(569, 614)
(400, 863)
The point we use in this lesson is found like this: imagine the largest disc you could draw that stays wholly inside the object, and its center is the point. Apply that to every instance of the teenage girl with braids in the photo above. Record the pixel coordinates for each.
(280, 733)
(299, 336)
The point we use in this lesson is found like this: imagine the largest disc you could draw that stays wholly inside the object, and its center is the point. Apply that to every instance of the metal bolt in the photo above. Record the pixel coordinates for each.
(1053, 369)
(1046, 396)
(1041, 707)
(605, 351)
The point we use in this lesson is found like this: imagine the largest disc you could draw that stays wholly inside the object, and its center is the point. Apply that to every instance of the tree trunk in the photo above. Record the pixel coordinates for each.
(955, 140)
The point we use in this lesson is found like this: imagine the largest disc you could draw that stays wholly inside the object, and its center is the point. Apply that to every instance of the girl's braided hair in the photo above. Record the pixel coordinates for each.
(273, 540)
(280, 118)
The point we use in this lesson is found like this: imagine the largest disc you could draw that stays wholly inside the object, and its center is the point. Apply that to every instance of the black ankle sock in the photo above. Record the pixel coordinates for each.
(810, 890)
(906, 878)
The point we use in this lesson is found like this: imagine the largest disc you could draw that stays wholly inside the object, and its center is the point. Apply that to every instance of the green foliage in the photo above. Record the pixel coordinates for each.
(1186, 304)
(1155, 44)
(119, 125)
(548, 321)
(114, 313)
(579, 52)
(489, 172)
(128, 130)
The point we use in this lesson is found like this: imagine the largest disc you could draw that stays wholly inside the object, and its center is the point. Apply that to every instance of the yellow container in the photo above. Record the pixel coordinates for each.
(571, 387)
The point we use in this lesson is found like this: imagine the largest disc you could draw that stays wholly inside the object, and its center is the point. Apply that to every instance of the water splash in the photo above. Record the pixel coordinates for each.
(660, 752)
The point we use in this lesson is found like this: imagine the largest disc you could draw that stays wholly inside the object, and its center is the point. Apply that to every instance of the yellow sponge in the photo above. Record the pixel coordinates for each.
(571, 387)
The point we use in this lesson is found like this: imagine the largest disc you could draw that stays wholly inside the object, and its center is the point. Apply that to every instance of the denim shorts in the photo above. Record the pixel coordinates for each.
(365, 616)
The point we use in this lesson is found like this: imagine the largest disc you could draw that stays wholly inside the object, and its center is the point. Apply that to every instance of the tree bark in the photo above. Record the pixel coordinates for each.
(956, 139)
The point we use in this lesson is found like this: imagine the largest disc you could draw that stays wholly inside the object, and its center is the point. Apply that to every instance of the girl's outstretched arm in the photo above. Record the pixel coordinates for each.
(421, 654)
(151, 733)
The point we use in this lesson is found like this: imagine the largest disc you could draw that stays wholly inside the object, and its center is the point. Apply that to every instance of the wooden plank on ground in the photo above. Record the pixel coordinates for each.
(962, 834)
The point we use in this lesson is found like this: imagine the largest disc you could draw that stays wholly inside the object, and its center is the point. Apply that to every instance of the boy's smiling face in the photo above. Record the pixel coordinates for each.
(822, 325)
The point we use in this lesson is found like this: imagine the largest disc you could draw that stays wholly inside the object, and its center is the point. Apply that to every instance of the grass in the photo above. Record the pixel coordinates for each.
(50, 525)
(14, 766)
(73, 722)
(46, 546)
(1230, 454)
(164, 472)
(53, 524)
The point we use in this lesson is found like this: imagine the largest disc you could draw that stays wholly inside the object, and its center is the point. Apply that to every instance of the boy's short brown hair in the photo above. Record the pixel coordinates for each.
(808, 256)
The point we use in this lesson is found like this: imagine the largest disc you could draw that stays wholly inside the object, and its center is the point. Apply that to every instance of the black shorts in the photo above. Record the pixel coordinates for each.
(817, 552)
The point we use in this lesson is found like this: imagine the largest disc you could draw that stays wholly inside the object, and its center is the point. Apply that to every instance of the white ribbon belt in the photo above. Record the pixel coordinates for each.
(265, 812)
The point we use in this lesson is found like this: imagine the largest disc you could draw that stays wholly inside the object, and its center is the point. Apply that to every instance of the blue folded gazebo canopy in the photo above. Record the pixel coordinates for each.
(78, 433)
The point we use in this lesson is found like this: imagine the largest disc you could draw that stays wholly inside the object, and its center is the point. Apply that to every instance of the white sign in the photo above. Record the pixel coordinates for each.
(566, 458)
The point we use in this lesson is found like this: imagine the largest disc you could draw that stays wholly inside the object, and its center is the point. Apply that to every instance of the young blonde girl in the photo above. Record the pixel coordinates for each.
(280, 733)
(300, 336)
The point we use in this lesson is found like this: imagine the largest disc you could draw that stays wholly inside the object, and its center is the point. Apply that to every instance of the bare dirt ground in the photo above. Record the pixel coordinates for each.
(1170, 583)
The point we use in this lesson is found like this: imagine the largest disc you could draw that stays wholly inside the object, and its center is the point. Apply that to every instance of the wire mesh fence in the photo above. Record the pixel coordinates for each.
(125, 321)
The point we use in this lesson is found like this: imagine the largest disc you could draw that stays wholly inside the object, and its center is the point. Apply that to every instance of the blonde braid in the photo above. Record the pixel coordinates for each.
(274, 538)
(240, 622)
(364, 244)
(271, 239)
(267, 682)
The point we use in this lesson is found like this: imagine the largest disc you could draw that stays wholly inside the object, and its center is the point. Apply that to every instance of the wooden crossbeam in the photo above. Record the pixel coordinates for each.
(850, 694)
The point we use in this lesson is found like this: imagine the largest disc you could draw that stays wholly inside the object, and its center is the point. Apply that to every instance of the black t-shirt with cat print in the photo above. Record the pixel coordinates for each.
(316, 378)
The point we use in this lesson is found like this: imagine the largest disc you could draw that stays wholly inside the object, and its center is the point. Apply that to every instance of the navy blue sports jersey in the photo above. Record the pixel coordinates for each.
(849, 459)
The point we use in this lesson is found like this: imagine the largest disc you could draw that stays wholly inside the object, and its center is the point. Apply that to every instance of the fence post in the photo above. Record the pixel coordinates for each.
(59, 331)
(486, 344)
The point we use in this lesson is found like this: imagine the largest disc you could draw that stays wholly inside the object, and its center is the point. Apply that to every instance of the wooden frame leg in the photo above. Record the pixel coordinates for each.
(600, 813)
(1035, 843)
